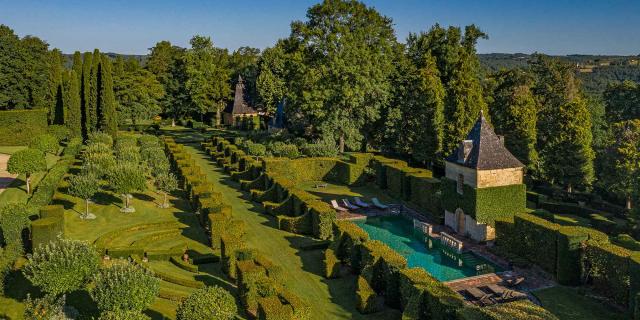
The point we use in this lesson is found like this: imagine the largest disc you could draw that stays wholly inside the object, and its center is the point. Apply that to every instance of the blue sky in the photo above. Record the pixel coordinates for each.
(553, 27)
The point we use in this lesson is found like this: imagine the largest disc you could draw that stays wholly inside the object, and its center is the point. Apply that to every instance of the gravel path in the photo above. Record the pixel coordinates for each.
(5, 177)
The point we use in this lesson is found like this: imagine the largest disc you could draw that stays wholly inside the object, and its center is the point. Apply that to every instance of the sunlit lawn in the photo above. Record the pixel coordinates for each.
(568, 304)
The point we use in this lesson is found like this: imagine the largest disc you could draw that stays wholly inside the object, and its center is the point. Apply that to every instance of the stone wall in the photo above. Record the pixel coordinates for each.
(484, 178)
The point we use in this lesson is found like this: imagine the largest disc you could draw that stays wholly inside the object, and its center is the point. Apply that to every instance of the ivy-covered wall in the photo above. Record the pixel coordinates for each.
(486, 205)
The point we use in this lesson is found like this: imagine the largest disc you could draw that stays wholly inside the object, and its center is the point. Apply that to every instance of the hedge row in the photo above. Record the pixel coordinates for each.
(415, 185)
(574, 255)
(18, 127)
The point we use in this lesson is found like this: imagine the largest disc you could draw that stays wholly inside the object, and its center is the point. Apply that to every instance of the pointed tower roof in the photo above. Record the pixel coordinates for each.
(240, 106)
(483, 149)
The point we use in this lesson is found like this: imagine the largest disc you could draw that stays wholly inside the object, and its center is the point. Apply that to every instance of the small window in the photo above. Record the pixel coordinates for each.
(460, 183)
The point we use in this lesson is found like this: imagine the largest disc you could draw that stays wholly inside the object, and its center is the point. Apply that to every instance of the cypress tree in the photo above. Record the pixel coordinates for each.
(85, 93)
(108, 120)
(77, 67)
(73, 119)
(55, 95)
(94, 91)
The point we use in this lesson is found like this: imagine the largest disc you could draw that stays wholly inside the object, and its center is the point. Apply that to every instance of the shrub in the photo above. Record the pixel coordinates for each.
(62, 266)
(281, 149)
(18, 127)
(125, 178)
(321, 149)
(84, 186)
(27, 162)
(46, 230)
(14, 218)
(100, 137)
(208, 303)
(271, 308)
(98, 164)
(61, 133)
(124, 286)
(48, 307)
(626, 241)
(148, 141)
(128, 154)
(256, 149)
(45, 143)
(73, 147)
(123, 315)
(331, 264)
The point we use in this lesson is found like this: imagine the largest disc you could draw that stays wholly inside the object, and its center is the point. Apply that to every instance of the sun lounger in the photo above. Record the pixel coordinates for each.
(321, 185)
(514, 282)
(480, 296)
(378, 204)
(335, 205)
(358, 202)
(348, 205)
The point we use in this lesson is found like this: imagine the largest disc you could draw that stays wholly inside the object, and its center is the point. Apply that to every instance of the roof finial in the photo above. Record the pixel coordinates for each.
(240, 79)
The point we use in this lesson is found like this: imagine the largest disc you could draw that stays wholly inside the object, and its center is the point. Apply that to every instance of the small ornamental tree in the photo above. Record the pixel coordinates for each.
(208, 303)
(27, 162)
(46, 143)
(61, 133)
(124, 286)
(100, 137)
(62, 266)
(125, 178)
(166, 183)
(84, 186)
(14, 217)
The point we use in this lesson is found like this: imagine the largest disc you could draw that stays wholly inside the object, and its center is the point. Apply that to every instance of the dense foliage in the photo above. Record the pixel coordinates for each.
(208, 303)
(62, 266)
(124, 286)
(27, 162)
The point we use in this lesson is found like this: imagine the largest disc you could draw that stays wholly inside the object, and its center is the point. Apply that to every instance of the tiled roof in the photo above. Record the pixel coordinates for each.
(485, 149)
(239, 105)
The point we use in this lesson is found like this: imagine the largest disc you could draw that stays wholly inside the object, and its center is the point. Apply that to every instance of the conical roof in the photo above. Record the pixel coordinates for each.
(240, 106)
(484, 149)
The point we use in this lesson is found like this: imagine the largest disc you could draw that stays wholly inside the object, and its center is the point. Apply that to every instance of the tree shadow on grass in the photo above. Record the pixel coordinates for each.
(154, 315)
(82, 301)
(106, 198)
(143, 197)
(68, 205)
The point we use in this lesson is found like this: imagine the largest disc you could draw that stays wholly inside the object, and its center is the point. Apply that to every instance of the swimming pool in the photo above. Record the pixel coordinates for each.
(422, 251)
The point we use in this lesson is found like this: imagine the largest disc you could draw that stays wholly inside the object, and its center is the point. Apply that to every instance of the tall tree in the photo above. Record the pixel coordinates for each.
(429, 143)
(514, 115)
(622, 174)
(108, 114)
(86, 93)
(567, 157)
(137, 92)
(94, 92)
(73, 119)
(622, 101)
(14, 92)
(55, 95)
(244, 62)
(37, 70)
(347, 55)
(77, 66)
(270, 82)
(207, 74)
(166, 62)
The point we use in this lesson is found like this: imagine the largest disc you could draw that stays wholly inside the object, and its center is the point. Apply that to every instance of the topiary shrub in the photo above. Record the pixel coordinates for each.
(18, 127)
(27, 162)
(124, 286)
(281, 149)
(61, 266)
(367, 299)
(208, 303)
(100, 137)
(61, 133)
(331, 264)
(14, 218)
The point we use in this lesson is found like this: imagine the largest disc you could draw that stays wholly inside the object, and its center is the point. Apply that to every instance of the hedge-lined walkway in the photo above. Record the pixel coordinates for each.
(329, 299)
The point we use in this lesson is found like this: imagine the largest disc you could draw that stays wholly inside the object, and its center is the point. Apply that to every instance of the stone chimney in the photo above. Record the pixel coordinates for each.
(464, 150)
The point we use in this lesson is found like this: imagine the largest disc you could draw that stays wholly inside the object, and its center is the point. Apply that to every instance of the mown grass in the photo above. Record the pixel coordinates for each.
(329, 299)
(17, 190)
(568, 304)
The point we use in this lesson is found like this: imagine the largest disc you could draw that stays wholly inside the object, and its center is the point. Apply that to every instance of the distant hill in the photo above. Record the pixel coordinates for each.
(141, 58)
(595, 71)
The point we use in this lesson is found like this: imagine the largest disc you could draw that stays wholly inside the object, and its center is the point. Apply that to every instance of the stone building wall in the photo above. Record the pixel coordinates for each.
(484, 178)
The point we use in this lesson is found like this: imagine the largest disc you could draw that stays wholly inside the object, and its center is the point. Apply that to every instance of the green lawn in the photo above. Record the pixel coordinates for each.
(329, 299)
(17, 190)
(338, 191)
(11, 149)
(568, 304)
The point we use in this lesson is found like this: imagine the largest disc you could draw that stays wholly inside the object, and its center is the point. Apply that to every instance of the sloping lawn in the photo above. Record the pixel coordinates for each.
(329, 299)
(568, 304)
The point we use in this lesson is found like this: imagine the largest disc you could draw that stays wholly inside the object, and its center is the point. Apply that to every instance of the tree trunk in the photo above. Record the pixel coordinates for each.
(218, 116)
(165, 199)
(173, 122)
(126, 201)
(570, 188)
(86, 207)
(341, 143)
(28, 179)
(628, 206)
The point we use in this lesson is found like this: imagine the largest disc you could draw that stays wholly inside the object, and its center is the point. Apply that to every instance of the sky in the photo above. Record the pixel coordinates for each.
(556, 27)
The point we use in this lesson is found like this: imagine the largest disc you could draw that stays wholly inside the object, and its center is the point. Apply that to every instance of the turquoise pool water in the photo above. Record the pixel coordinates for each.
(421, 251)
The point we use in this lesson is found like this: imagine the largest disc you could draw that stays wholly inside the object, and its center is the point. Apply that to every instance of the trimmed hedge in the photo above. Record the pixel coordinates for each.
(569, 253)
(538, 240)
(608, 268)
(18, 127)
(45, 230)
(367, 299)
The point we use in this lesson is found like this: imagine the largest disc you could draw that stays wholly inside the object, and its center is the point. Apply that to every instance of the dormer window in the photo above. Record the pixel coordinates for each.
(464, 150)
(460, 184)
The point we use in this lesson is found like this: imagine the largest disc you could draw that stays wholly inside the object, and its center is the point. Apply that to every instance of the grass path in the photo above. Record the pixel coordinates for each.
(330, 299)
